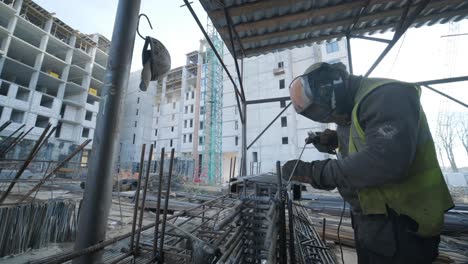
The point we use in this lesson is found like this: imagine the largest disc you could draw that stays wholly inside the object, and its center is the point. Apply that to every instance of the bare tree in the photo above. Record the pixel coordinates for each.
(462, 131)
(447, 135)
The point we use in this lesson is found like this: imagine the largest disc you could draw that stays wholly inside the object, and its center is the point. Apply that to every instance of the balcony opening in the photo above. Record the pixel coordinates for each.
(89, 115)
(23, 94)
(4, 88)
(46, 101)
(17, 116)
(41, 121)
(85, 132)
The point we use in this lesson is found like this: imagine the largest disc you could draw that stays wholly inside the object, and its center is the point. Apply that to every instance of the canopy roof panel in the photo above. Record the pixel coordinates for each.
(264, 26)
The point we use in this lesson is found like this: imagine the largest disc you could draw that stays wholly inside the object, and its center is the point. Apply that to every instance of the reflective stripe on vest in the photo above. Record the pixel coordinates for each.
(423, 195)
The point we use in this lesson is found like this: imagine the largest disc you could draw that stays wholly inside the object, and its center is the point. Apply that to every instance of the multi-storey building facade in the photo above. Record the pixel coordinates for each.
(49, 72)
(137, 123)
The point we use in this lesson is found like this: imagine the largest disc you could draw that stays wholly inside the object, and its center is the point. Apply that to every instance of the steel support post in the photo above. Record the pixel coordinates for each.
(244, 141)
(97, 200)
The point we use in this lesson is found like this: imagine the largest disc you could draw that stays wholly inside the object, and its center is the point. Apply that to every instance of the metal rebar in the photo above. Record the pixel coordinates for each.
(56, 169)
(67, 256)
(158, 203)
(292, 251)
(282, 217)
(5, 125)
(137, 198)
(15, 141)
(28, 160)
(166, 205)
(11, 135)
(143, 200)
(324, 224)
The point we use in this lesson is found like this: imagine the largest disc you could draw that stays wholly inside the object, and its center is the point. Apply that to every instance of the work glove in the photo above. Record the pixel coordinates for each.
(309, 172)
(325, 142)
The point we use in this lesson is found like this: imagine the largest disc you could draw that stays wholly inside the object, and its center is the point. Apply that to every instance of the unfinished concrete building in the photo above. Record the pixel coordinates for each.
(181, 110)
(49, 73)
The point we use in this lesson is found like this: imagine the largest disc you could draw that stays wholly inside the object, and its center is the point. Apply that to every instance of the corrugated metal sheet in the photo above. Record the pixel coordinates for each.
(265, 26)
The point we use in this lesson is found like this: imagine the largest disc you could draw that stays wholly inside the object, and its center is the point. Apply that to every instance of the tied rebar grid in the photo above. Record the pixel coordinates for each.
(309, 246)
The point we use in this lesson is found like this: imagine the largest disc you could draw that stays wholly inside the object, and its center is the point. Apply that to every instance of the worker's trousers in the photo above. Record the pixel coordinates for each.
(382, 239)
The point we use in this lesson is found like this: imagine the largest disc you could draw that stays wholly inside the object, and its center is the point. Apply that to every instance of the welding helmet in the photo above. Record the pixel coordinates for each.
(319, 91)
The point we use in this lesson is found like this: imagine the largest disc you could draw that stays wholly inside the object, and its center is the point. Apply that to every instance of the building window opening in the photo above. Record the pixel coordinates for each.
(332, 47)
(17, 116)
(281, 84)
(89, 115)
(4, 88)
(284, 140)
(282, 104)
(85, 132)
(284, 121)
(47, 101)
(41, 121)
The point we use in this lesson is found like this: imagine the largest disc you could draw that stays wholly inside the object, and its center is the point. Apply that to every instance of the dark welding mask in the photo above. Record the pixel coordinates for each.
(314, 94)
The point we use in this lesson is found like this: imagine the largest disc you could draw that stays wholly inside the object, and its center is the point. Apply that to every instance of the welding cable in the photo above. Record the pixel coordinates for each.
(338, 230)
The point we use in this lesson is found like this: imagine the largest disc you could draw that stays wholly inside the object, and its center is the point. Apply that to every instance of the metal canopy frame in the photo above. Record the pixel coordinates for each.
(407, 19)
(92, 222)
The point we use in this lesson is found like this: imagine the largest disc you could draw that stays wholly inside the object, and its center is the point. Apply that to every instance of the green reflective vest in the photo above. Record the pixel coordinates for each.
(423, 195)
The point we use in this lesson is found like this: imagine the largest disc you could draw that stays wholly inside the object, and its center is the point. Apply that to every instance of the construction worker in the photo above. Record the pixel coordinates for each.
(387, 167)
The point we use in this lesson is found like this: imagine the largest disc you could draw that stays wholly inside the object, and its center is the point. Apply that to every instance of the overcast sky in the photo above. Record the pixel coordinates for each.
(422, 54)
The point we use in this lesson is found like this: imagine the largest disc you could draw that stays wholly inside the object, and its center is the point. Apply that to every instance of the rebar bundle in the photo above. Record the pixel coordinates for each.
(35, 225)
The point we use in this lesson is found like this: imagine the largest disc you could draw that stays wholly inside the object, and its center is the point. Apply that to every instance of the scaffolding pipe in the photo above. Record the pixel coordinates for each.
(92, 223)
